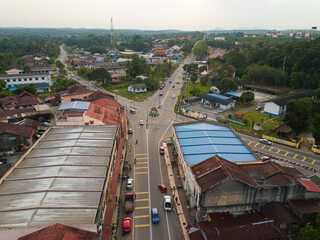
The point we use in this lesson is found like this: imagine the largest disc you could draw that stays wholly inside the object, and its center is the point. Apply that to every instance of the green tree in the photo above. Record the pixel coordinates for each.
(311, 231)
(227, 84)
(247, 97)
(3, 85)
(83, 71)
(194, 77)
(100, 75)
(200, 50)
(318, 93)
(31, 88)
(196, 92)
(204, 80)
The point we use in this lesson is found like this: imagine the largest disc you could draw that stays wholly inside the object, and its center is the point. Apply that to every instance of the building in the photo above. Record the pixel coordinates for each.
(45, 68)
(220, 38)
(75, 92)
(15, 137)
(115, 69)
(197, 141)
(219, 185)
(16, 80)
(278, 106)
(138, 88)
(24, 99)
(65, 178)
(213, 100)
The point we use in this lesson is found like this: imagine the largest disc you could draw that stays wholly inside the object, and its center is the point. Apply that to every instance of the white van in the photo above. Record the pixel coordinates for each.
(141, 122)
(167, 203)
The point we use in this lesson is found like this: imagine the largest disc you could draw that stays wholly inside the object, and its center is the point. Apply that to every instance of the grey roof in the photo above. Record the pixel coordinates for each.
(23, 75)
(282, 101)
(216, 98)
(139, 85)
(61, 180)
(75, 105)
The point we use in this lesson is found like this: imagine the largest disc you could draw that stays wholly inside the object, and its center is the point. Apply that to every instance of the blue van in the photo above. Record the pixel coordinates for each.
(155, 215)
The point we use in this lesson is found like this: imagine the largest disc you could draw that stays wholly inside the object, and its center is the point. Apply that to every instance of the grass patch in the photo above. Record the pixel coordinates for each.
(122, 90)
(191, 86)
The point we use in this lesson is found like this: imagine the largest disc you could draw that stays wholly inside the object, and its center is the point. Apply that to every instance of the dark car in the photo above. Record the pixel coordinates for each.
(130, 131)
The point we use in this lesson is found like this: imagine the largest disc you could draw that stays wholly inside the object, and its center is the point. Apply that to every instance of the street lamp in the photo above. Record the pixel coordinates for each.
(147, 113)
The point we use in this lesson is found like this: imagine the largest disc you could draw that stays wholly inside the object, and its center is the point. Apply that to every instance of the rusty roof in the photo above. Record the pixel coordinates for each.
(15, 129)
(305, 206)
(60, 232)
(104, 114)
(106, 102)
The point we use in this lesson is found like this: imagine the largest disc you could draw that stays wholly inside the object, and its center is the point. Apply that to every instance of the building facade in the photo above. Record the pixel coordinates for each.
(16, 80)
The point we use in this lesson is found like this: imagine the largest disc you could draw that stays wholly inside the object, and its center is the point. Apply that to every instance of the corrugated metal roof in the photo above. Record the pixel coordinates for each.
(201, 141)
(75, 105)
(234, 94)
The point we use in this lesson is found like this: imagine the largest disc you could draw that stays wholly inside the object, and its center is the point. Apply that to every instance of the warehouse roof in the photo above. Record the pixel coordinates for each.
(61, 180)
(216, 98)
(200, 141)
(75, 105)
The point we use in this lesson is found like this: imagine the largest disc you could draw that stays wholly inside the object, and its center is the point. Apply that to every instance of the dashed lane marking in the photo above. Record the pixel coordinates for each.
(142, 225)
(263, 146)
(141, 154)
(141, 158)
(270, 149)
(286, 153)
(141, 192)
(142, 207)
(141, 162)
(141, 167)
(295, 156)
(142, 216)
(141, 172)
(256, 144)
(249, 142)
(304, 159)
(278, 151)
(313, 162)
(142, 200)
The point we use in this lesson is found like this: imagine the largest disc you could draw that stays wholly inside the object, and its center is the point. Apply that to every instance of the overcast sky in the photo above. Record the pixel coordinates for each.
(165, 14)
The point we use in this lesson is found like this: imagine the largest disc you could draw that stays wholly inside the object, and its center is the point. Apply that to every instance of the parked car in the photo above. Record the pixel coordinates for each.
(265, 141)
(177, 82)
(265, 159)
(130, 131)
(170, 82)
(173, 96)
(167, 203)
(130, 184)
(173, 86)
(161, 94)
(162, 188)
(45, 124)
(141, 122)
(162, 150)
(132, 111)
(258, 108)
(41, 131)
(155, 215)
(126, 225)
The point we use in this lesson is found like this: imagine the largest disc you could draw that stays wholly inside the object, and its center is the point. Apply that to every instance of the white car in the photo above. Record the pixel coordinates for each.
(141, 122)
(167, 203)
(173, 96)
(130, 184)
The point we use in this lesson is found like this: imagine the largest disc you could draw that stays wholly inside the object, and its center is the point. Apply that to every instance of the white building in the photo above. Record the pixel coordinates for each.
(137, 88)
(16, 80)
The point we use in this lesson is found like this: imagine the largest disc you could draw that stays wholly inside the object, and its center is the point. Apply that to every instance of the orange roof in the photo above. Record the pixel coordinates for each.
(104, 114)
(106, 102)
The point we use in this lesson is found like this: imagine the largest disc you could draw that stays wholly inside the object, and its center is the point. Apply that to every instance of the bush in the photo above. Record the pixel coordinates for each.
(224, 120)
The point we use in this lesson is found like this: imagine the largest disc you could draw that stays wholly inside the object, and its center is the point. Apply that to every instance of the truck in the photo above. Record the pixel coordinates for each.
(129, 202)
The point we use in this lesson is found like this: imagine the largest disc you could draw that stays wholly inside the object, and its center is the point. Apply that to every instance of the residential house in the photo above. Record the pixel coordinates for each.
(278, 106)
(137, 88)
(305, 207)
(16, 115)
(24, 99)
(220, 38)
(15, 137)
(14, 70)
(218, 185)
(115, 69)
(213, 100)
(16, 80)
(75, 92)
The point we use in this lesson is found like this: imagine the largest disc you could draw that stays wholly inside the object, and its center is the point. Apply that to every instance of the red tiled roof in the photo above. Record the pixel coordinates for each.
(196, 235)
(106, 102)
(309, 185)
(60, 232)
(305, 206)
(104, 114)
(18, 130)
(97, 95)
(6, 114)
(78, 89)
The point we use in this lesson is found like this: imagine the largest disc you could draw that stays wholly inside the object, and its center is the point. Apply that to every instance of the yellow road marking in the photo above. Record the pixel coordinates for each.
(313, 161)
(141, 192)
(140, 167)
(256, 144)
(142, 200)
(286, 153)
(141, 154)
(304, 159)
(142, 225)
(263, 146)
(295, 156)
(141, 162)
(141, 172)
(270, 149)
(142, 207)
(278, 151)
(249, 142)
(142, 216)
(141, 158)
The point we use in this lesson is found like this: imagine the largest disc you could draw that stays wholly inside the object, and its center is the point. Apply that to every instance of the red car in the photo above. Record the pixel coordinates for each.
(126, 225)
(161, 94)
(162, 187)
(161, 150)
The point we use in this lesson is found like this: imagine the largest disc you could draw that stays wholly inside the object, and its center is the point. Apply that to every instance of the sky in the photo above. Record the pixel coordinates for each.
(189, 15)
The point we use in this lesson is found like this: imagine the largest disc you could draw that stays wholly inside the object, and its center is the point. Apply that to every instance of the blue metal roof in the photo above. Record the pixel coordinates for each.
(217, 96)
(234, 94)
(201, 141)
(75, 105)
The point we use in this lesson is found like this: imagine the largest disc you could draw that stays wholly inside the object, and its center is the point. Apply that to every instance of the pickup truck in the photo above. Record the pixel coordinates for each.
(129, 202)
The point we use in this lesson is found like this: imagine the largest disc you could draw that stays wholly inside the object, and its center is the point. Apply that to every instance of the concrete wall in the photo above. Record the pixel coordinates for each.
(272, 108)
(69, 98)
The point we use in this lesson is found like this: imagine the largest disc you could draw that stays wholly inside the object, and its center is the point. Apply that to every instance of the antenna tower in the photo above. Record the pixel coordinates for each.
(112, 36)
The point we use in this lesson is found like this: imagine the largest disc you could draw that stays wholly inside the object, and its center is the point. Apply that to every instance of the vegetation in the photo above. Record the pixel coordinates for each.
(311, 231)
(200, 49)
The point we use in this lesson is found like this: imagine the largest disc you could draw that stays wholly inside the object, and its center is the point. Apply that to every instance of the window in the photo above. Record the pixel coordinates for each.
(25, 79)
(14, 79)
(37, 78)
(19, 79)
(42, 78)
(8, 80)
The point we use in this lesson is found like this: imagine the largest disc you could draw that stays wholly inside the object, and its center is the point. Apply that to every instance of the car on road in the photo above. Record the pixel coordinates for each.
(265, 141)
(126, 225)
(258, 108)
(155, 215)
(162, 150)
(173, 86)
(132, 111)
(161, 94)
(130, 184)
(173, 96)
(130, 131)
(141, 122)
(162, 188)
(265, 159)
(177, 82)
(167, 203)
(170, 82)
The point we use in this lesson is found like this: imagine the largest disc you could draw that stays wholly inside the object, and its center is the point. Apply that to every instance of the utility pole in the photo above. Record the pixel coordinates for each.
(112, 36)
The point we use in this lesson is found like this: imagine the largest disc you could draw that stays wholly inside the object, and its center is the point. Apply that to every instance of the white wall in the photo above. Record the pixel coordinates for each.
(271, 107)
(27, 79)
